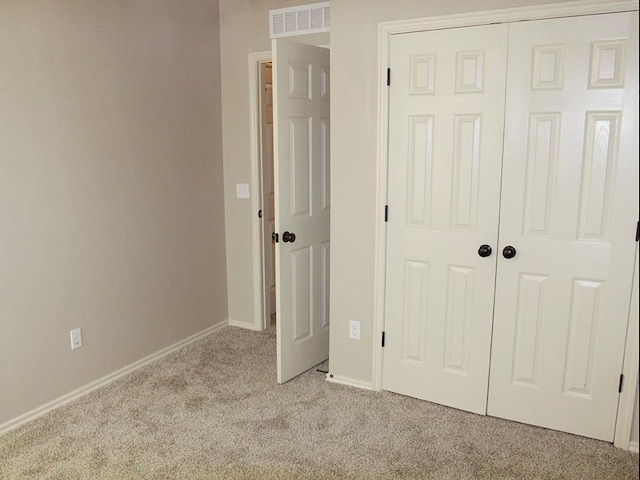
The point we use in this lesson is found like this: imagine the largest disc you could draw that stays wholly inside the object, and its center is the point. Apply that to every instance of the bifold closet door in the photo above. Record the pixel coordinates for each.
(445, 141)
(569, 209)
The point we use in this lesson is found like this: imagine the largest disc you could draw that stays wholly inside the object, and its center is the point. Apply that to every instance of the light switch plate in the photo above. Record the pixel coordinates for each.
(242, 190)
(76, 338)
(354, 329)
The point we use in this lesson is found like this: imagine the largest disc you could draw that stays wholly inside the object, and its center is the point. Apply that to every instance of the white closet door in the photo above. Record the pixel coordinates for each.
(446, 127)
(569, 208)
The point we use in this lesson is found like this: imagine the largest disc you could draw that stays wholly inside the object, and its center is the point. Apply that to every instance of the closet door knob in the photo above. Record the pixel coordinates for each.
(484, 250)
(509, 252)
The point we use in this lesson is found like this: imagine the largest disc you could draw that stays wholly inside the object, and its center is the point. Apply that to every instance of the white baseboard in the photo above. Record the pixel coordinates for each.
(101, 382)
(348, 381)
(245, 325)
(633, 447)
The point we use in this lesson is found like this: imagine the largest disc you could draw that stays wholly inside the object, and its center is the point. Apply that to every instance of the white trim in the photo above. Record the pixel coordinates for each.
(385, 30)
(633, 447)
(259, 319)
(380, 241)
(245, 325)
(348, 381)
(627, 401)
(101, 382)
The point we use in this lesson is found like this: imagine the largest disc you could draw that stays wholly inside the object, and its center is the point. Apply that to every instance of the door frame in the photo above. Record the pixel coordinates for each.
(626, 403)
(259, 299)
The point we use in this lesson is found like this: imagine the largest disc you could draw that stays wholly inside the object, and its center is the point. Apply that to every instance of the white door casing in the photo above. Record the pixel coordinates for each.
(301, 153)
(569, 207)
(445, 140)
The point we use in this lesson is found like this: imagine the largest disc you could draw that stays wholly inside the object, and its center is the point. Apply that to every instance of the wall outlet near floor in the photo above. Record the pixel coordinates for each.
(76, 338)
(354, 329)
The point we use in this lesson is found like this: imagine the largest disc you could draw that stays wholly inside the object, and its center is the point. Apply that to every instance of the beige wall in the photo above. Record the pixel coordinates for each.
(244, 28)
(111, 191)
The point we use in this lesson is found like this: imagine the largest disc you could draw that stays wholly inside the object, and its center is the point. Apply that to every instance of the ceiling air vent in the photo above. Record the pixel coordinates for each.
(286, 22)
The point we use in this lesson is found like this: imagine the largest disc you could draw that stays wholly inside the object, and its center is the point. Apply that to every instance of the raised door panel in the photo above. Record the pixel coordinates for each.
(301, 293)
(299, 168)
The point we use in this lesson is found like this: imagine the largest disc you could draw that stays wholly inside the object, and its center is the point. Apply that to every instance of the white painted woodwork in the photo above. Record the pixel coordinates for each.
(301, 146)
(268, 211)
(548, 67)
(541, 166)
(569, 207)
(445, 141)
(326, 257)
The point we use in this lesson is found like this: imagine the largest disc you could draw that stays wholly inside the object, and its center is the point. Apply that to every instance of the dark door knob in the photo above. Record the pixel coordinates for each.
(509, 252)
(288, 237)
(484, 250)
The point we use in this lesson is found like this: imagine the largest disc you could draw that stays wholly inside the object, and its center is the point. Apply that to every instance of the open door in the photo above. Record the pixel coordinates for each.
(301, 154)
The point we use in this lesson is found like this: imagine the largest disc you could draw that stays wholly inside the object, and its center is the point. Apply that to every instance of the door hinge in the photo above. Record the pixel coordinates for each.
(388, 76)
(274, 237)
(620, 384)
(383, 339)
(386, 213)
(259, 213)
(637, 231)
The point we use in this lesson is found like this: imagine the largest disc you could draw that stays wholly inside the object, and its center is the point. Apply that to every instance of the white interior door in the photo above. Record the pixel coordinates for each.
(445, 153)
(569, 208)
(301, 145)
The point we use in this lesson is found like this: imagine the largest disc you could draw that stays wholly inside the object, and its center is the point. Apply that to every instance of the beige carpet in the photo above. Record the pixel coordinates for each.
(213, 410)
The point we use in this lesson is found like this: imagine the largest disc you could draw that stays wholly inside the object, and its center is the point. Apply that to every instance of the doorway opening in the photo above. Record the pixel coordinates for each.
(261, 96)
(267, 193)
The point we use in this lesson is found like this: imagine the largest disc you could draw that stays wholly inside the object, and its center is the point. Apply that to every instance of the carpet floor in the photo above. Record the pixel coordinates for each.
(213, 410)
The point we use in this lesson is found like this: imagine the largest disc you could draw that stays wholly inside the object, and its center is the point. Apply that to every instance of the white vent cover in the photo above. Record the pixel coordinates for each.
(312, 18)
